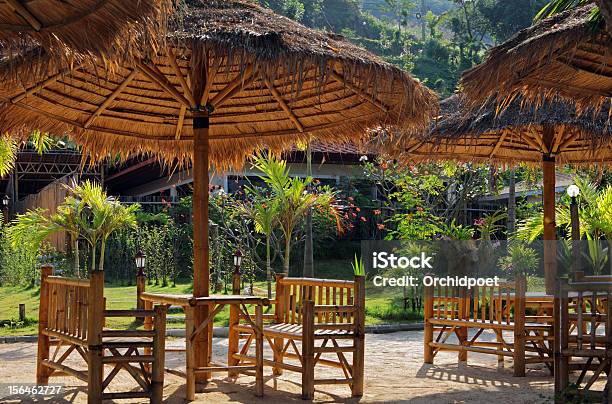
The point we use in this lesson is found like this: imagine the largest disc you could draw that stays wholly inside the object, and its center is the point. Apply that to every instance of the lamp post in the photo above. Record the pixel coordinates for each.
(5, 206)
(573, 191)
(141, 260)
(236, 276)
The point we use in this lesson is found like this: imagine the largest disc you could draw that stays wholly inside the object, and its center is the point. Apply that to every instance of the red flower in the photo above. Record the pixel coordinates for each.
(377, 212)
(350, 198)
(363, 219)
(380, 226)
(419, 209)
(358, 210)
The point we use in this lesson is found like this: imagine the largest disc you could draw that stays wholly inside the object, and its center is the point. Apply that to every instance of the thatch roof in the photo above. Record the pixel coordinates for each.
(565, 55)
(519, 133)
(105, 29)
(271, 82)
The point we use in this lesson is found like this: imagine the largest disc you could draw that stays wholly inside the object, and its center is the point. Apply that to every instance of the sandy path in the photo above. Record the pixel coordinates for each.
(394, 373)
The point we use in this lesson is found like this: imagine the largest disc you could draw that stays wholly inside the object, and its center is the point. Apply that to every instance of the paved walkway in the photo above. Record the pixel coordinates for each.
(394, 373)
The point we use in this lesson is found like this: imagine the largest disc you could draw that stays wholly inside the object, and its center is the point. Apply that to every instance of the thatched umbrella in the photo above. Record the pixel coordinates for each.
(553, 132)
(567, 55)
(104, 29)
(235, 78)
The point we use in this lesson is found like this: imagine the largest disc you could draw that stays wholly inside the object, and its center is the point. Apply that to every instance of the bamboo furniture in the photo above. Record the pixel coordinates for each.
(71, 320)
(500, 309)
(238, 305)
(585, 333)
(312, 317)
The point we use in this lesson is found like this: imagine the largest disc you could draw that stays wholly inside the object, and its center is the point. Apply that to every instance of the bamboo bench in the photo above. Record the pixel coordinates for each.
(500, 309)
(71, 321)
(585, 340)
(313, 319)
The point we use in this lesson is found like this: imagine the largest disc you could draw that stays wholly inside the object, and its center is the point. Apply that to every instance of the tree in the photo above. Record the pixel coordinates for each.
(263, 212)
(87, 212)
(293, 199)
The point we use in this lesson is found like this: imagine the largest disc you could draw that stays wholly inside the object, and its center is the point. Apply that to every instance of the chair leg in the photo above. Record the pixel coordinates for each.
(308, 351)
(279, 344)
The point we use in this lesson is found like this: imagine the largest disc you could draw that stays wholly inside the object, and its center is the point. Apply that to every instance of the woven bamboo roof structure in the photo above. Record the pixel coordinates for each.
(269, 82)
(567, 55)
(520, 133)
(102, 28)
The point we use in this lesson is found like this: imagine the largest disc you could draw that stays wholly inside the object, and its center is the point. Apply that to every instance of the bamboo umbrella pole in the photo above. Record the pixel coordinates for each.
(550, 250)
(200, 231)
(201, 270)
(548, 199)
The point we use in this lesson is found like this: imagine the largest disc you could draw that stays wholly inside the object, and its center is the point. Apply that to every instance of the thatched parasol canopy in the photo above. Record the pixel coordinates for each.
(269, 82)
(555, 131)
(516, 134)
(566, 55)
(101, 28)
(235, 77)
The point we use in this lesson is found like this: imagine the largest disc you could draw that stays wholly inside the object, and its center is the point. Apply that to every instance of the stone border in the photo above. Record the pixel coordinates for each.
(222, 332)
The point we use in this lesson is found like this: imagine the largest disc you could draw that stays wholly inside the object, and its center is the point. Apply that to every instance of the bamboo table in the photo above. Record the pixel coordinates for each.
(216, 303)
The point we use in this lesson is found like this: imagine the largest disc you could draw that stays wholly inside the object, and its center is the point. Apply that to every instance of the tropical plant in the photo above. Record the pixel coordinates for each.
(293, 199)
(8, 150)
(521, 260)
(263, 211)
(87, 212)
(456, 232)
(358, 267)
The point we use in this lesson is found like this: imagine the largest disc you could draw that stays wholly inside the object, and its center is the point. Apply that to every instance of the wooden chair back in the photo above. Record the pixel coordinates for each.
(67, 305)
(291, 293)
(486, 304)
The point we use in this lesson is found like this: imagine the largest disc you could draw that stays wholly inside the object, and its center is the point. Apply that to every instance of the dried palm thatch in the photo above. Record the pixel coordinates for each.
(102, 28)
(268, 82)
(565, 55)
(521, 133)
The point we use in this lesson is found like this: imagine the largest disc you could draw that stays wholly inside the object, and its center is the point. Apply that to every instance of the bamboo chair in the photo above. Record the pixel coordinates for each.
(585, 323)
(500, 309)
(71, 319)
(312, 321)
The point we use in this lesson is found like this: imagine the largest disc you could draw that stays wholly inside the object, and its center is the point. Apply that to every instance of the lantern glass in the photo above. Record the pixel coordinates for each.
(573, 191)
(237, 258)
(140, 259)
(5, 201)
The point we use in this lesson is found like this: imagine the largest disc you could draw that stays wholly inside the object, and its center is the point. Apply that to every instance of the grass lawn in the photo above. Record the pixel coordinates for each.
(383, 305)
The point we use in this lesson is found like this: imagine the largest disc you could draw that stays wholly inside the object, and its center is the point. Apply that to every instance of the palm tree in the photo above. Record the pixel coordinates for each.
(264, 214)
(293, 199)
(87, 212)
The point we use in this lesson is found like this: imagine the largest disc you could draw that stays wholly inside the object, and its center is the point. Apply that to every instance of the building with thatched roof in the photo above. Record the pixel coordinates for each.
(568, 54)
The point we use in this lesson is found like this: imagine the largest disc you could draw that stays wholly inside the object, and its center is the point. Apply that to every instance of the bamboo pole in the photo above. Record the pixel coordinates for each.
(280, 318)
(189, 355)
(95, 321)
(234, 320)
(259, 380)
(359, 340)
(519, 327)
(308, 350)
(159, 341)
(42, 372)
(140, 289)
(428, 331)
(200, 235)
(550, 272)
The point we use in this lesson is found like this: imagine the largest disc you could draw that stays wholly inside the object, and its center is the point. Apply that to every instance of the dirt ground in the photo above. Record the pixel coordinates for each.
(394, 373)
